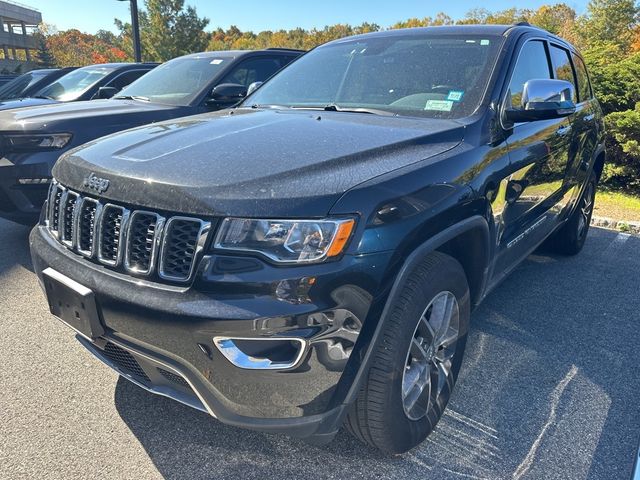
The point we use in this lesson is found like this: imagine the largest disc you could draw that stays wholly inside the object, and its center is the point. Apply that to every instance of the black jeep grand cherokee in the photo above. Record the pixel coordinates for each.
(311, 257)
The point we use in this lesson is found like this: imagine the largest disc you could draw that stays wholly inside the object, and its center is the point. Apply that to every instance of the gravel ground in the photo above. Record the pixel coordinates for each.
(549, 389)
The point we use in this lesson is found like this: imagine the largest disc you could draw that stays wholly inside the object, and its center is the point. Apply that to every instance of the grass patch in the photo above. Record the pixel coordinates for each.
(619, 206)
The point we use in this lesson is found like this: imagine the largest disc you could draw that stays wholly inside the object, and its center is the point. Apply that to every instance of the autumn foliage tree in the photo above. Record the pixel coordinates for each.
(74, 48)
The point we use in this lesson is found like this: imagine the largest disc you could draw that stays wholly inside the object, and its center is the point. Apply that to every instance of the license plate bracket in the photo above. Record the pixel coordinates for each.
(72, 303)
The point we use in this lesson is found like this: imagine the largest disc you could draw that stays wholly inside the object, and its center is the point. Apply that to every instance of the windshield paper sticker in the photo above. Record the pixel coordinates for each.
(439, 105)
(455, 95)
(217, 61)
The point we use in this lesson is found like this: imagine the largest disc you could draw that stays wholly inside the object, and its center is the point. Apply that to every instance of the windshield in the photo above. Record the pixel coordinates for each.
(176, 82)
(415, 75)
(71, 86)
(16, 87)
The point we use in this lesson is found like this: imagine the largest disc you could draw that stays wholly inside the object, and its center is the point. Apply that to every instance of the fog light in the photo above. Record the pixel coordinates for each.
(276, 353)
(34, 181)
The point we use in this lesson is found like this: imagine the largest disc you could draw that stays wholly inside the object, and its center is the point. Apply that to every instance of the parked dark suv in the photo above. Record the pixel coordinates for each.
(32, 139)
(86, 83)
(30, 83)
(311, 257)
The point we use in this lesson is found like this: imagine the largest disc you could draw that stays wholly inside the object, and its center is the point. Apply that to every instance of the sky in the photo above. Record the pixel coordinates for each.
(92, 15)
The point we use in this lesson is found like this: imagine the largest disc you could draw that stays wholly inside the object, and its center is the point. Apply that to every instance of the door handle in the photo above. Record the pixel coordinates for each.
(589, 117)
(563, 130)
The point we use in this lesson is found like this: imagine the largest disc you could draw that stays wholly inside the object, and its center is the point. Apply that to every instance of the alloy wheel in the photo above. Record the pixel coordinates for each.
(586, 209)
(428, 365)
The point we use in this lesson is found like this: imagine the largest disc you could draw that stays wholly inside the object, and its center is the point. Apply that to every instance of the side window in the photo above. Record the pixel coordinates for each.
(254, 70)
(126, 78)
(584, 87)
(532, 64)
(562, 67)
(284, 61)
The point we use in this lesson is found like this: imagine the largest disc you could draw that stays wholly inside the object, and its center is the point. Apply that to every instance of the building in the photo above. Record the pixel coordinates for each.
(19, 46)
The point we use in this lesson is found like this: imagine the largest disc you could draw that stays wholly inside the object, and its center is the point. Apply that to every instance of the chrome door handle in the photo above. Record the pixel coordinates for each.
(589, 117)
(564, 130)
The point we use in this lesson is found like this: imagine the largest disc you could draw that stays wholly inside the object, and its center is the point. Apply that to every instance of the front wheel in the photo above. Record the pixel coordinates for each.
(416, 362)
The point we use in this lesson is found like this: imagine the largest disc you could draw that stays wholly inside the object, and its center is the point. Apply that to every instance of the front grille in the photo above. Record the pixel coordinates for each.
(172, 377)
(139, 242)
(125, 361)
(111, 234)
(69, 201)
(54, 208)
(86, 226)
(179, 247)
(144, 228)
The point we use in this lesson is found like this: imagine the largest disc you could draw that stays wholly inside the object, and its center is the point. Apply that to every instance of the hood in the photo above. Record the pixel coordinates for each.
(72, 114)
(254, 162)
(26, 102)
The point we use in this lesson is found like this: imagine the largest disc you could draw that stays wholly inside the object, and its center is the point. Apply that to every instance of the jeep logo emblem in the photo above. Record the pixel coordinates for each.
(96, 183)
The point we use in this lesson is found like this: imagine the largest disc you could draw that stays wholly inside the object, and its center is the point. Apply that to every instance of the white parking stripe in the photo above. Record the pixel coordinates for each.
(556, 395)
(636, 474)
(616, 244)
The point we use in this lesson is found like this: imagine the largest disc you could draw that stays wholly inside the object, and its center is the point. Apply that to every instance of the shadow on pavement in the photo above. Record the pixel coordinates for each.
(14, 246)
(548, 390)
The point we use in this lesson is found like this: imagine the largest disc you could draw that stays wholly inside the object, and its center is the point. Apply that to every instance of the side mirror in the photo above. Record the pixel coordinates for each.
(227, 93)
(106, 92)
(253, 87)
(543, 99)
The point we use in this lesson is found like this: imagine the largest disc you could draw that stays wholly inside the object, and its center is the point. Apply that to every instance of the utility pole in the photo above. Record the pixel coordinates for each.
(135, 29)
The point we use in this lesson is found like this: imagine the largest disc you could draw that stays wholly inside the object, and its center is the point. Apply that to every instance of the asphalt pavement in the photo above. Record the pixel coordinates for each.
(549, 389)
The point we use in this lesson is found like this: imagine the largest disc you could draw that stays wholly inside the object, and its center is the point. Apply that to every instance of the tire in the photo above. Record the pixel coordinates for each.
(570, 239)
(382, 416)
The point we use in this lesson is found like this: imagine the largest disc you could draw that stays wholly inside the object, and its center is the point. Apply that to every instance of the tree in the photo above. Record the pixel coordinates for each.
(559, 19)
(610, 21)
(44, 57)
(167, 30)
(72, 48)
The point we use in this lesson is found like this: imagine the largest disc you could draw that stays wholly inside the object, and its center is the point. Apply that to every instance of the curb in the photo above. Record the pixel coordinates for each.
(620, 225)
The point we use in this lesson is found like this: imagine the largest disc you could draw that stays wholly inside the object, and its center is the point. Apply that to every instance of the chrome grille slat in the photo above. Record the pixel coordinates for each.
(141, 242)
(88, 211)
(182, 242)
(55, 198)
(143, 235)
(111, 234)
(67, 217)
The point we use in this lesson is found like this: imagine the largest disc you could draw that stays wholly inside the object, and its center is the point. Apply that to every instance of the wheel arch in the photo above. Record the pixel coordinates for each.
(598, 163)
(450, 241)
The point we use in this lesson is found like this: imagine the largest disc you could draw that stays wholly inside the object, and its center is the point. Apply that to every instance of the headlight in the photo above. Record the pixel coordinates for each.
(26, 141)
(286, 241)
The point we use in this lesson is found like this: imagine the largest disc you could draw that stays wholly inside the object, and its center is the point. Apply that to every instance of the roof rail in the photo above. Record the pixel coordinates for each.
(286, 49)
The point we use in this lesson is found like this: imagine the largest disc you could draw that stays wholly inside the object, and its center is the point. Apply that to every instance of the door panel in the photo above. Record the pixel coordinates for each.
(534, 192)
(585, 124)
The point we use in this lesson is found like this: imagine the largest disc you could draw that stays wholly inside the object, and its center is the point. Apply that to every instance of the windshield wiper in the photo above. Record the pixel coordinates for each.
(266, 105)
(332, 107)
(45, 97)
(132, 97)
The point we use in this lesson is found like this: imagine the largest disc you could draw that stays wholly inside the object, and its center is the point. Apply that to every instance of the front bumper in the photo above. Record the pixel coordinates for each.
(168, 331)
(22, 202)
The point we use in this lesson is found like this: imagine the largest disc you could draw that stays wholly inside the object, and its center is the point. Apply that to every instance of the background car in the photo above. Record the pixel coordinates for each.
(86, 83)
(30, 83)
(33, 138)
(4, 79)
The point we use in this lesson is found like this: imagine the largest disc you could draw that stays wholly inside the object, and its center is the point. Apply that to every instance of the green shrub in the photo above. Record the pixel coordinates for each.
(623, 150)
